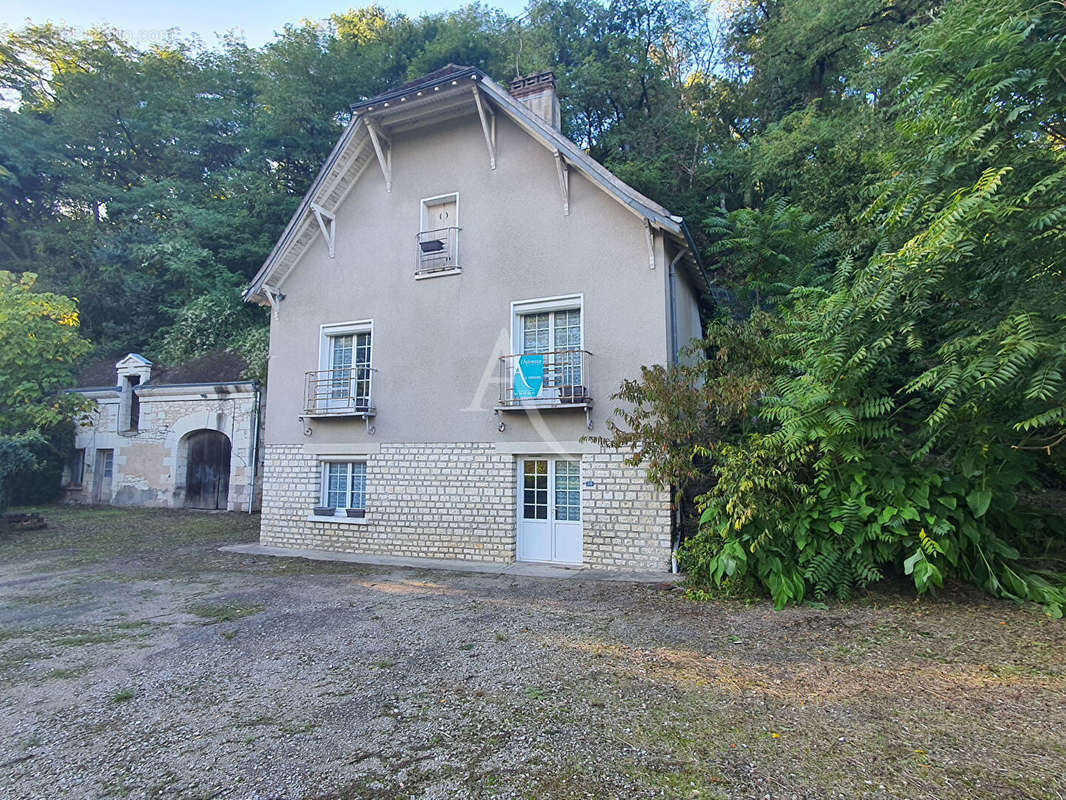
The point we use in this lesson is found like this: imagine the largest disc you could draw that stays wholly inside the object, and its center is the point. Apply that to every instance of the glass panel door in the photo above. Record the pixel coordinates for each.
(549, 514)
(568, 491)
(536, 333)
(535, 489)
(340, 364)
(362, 371)
(566, 339)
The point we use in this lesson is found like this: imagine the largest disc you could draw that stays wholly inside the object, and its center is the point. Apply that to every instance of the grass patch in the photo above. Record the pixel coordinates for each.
(66, 673)
(82, 638)
(21, 656)
(225, 612)
(123, 696)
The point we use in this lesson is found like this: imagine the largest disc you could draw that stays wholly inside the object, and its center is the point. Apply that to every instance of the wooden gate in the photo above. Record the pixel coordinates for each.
(207, 473)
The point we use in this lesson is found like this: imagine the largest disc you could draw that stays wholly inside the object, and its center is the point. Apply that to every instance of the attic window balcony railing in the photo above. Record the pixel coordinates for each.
(545, 380)
(342, 392)
(438, 251)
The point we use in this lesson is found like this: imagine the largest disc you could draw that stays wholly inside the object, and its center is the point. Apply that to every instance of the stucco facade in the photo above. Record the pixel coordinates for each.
(441, 440)
(133, 449)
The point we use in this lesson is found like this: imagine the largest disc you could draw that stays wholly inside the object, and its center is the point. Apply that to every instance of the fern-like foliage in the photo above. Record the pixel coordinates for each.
(918, 396)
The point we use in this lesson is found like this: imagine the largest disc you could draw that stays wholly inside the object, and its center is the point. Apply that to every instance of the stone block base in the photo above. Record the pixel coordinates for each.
(458, 500)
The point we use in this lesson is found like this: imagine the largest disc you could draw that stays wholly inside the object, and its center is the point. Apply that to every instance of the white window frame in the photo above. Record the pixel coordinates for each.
(520, 308)
(424, 205)
(323, 487)
(438, 200)
(325, 345)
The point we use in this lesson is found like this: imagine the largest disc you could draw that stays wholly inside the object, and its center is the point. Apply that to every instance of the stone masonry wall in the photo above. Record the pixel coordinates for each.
(458, 501)
(149, 468)
(627, 521)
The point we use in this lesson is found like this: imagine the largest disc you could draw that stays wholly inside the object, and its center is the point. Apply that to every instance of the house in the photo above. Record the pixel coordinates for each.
(452, 306)
(179, 437)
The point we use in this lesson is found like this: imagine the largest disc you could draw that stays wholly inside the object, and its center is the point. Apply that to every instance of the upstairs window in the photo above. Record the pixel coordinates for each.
(549, 362)
(343, 382)
(438, 237)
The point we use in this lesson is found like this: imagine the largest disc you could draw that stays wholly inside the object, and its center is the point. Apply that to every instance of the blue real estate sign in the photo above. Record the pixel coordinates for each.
(529, 377)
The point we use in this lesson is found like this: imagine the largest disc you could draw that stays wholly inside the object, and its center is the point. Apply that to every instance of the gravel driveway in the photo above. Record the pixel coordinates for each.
(136, 660)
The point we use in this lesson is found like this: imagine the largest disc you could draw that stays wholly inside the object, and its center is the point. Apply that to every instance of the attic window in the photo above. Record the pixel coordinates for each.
(130, 405)
(438, 237)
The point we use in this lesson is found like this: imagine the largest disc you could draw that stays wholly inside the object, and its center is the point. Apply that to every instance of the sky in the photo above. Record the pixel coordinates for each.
(146, 21)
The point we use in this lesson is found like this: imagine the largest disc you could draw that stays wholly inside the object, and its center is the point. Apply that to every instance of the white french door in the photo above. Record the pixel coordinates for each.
(349, 365)
(549, 510)
(554, 336)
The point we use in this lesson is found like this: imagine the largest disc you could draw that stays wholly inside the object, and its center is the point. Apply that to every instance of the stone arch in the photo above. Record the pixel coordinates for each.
(177, 445)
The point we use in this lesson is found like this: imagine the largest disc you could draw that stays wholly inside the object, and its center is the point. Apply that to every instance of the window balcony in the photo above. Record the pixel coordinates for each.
(343, 392)
(438, 251)
(545, 380)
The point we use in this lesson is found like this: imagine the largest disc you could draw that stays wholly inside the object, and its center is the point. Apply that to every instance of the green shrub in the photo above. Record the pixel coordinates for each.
(16, 455)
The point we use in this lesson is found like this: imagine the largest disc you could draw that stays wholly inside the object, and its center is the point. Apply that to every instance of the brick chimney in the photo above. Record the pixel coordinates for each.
(537, 93)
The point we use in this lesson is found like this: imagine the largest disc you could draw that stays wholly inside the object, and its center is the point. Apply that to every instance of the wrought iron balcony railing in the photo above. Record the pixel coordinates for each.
(550, 379)
(437, 251)
(343, 392)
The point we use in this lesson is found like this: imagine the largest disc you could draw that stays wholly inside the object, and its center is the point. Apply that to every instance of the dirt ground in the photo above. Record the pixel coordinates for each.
(136, 660)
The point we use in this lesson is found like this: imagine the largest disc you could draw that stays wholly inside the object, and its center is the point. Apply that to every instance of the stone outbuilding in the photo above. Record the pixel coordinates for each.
(183, 437)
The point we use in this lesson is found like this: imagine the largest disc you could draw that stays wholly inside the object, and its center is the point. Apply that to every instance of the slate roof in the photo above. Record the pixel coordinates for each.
(219, 366)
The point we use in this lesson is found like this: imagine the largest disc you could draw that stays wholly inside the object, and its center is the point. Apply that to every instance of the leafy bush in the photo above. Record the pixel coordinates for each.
(39, 346)
(16, 455)
(42, 482)
(915, 402)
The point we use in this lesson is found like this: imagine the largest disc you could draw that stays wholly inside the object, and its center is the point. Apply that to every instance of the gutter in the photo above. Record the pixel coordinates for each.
(255, 447)
(673, 306)
(407, 91)
(674, 356)
(144, 386)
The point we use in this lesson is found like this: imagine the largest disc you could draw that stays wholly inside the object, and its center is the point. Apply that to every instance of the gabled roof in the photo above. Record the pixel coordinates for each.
(133, 360)
(440, 94)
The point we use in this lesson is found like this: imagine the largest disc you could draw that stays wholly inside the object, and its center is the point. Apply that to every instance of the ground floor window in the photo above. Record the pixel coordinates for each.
(77, 468)
(344, 485)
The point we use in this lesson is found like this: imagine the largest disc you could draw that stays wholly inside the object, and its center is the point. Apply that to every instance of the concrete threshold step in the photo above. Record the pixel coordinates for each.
(517, 568)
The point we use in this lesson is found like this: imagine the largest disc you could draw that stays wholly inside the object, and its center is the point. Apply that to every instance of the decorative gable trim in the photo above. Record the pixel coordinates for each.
(363, 142)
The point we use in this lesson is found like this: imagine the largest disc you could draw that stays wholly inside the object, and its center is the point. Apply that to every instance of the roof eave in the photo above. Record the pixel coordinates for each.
(407, 91)
(655, 214)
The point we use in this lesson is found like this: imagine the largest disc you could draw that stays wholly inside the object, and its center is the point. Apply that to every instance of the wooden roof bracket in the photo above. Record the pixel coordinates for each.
(488, 125)
(377, 138)
(650, 235)
(274, 298)
(562, 171)
(327, 222)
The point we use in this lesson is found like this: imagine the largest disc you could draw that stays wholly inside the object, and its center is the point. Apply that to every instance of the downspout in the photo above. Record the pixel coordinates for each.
(255, 446)
(674, 359)
(673, 306)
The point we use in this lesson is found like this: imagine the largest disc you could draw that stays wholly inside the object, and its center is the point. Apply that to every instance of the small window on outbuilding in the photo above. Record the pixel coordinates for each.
(135, 402)
(76, 468)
